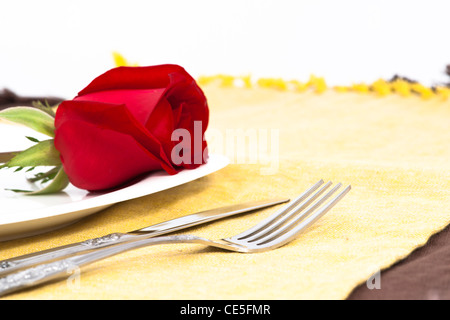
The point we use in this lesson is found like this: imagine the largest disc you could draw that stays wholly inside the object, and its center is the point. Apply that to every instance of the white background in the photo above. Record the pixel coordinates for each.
(57, 47)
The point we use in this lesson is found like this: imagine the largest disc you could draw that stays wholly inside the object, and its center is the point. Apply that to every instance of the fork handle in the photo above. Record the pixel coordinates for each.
(28, 260)
(46, 272)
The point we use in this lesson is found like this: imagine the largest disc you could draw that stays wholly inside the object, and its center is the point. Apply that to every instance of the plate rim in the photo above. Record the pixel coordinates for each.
(215, 163)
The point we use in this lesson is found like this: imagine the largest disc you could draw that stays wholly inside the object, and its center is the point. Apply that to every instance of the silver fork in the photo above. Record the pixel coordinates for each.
(275, 231)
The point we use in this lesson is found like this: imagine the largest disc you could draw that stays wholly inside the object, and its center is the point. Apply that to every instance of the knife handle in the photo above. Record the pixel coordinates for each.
(27, 260)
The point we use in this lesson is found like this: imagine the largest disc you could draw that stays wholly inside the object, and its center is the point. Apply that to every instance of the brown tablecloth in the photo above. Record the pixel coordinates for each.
(424, 274)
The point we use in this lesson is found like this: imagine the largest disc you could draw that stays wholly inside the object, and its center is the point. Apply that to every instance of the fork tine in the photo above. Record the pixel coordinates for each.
(280, 213)
(289, 225)
(296, 228)
(276, 224)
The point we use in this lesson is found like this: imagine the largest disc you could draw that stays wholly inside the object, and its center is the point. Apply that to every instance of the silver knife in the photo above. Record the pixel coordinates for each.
(17, 263)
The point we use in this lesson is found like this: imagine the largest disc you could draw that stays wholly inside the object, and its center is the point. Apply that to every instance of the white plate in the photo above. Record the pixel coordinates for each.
(22, 215)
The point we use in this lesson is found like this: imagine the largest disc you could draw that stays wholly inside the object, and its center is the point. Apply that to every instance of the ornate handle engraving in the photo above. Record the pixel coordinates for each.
(6, 264)
(15, 264)
(32, 275)
(102, 240)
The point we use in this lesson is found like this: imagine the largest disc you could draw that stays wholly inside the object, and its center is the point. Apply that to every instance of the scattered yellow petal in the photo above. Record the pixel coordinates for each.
(443, 92)
(226, 80)
(381, 87)
(280, 84)
(273, 83)
(401, 87)
(298, 86)
(120, 61)
(312, 80)
(425, 92)
(318, 83)
(341, 88)
(263, 83)
(247, 81)
(360, 87)
(205, 80)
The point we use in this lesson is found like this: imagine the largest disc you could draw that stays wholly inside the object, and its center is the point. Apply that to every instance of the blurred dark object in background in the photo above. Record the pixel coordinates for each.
(447, 71)
(398, 77)
(10, 99)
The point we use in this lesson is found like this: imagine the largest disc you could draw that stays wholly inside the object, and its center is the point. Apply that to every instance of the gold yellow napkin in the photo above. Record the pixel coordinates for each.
(393, 150)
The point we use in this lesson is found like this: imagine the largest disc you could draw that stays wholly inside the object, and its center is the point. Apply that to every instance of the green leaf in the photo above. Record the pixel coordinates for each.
(43, 153)
(47, 175)
(19, 190)
(32, 139)
(60, 182)
(31, 117)
(44, 107)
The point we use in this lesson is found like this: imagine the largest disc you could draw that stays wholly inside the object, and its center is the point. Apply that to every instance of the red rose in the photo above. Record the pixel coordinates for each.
(121, 126)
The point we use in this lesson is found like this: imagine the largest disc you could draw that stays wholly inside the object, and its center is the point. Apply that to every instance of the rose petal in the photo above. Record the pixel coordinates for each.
(135, 100)
(112, 117)
(101, 159)
(133, 78)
